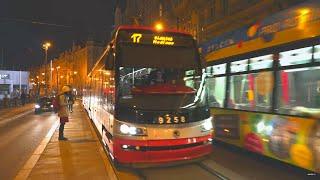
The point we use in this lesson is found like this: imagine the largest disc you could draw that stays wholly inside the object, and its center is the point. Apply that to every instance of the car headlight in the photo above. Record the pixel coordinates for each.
(51, 105)
(37, 106)
(132, 130)
(207, 125)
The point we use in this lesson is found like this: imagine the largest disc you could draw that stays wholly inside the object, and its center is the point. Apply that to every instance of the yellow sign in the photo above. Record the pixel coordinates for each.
(301, 155)
(136, 37)
(163, 40)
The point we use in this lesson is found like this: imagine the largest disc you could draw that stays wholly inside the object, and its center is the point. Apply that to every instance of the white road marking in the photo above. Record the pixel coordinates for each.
(2, 122)
(25, 171)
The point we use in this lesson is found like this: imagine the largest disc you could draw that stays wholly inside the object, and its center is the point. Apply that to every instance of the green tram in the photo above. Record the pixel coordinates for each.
(263, 84)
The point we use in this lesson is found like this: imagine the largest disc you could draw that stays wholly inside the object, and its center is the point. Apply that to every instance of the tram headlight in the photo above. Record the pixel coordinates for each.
(132, 130)
(207, 125)
(124, 129)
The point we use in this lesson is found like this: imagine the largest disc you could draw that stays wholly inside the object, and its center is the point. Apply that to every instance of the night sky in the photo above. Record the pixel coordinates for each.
(26, 24)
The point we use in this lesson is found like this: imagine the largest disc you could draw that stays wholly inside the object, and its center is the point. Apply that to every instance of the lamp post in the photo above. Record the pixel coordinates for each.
(75, 83)
(58, 67)
(46, 46)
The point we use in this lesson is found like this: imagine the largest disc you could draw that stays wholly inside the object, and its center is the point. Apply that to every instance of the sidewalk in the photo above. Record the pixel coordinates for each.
(81, 157)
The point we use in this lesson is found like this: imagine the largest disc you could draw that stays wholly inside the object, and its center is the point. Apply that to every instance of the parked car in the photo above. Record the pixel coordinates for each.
(43, 104)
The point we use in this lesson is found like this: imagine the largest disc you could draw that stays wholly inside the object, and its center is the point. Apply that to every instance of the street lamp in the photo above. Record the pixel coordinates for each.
(75, 77)
(46, 46)
(58, 67)
(159, 26)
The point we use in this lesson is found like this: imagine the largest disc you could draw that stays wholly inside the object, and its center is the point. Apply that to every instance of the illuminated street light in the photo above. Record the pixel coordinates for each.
(58, 67)
(159, 26)
(75, 72)
(46, 46)
(304, 11)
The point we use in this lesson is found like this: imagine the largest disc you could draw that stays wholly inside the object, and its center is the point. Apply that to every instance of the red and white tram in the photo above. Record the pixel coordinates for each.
(147, 98)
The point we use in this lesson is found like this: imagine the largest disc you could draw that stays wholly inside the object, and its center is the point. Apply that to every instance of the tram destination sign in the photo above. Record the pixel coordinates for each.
(156, 39)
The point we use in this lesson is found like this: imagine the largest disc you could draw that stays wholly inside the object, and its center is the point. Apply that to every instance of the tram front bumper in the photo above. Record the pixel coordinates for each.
(129, 151)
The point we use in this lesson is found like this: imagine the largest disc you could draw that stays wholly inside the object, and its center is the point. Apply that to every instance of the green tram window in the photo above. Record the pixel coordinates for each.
(297, 56)
(216, 88)
(299, 91)
(261, 62)
(239, 66)
(251, 91)
(316, 54)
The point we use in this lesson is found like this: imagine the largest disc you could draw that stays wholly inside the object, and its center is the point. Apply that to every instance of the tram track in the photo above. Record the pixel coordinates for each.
(195, 168)
(212, 171)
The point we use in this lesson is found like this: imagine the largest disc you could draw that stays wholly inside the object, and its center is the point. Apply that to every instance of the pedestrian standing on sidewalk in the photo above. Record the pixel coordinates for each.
(71, 102)
(63, 111)
(23, 98)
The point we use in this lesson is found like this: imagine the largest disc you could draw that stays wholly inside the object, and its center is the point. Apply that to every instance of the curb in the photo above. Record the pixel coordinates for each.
(25, 171)
(109, 168)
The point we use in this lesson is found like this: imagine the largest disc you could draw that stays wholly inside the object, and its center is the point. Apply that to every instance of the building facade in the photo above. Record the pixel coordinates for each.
(204, 19)
(70, 68)
(12, 83)
(140, 12)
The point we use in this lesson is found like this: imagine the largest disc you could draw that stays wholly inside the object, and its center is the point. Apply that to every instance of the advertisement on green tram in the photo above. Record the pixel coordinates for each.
(294, 140)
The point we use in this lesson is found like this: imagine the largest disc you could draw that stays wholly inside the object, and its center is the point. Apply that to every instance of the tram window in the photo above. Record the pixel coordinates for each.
(216, 69)
(299, 91)
(251, 91)
(316, 54)
(216, 91)
(108, 96)
(297, 56)
(261, 62)
(239, 66)
(145, 88)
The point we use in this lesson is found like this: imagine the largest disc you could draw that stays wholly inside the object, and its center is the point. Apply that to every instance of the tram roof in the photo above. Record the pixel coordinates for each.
(294, 24)
(148, 28)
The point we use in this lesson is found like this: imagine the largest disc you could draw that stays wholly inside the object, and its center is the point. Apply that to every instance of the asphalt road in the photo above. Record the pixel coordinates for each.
(225, 163)
(19, 137)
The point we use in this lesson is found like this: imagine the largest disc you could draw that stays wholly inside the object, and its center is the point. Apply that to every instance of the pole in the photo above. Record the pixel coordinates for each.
(20, 82)
(45, 72)
(2, 57)
(57, 80)
(51, 75)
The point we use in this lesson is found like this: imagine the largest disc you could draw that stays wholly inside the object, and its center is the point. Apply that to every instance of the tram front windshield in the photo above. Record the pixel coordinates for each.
(160, 90)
